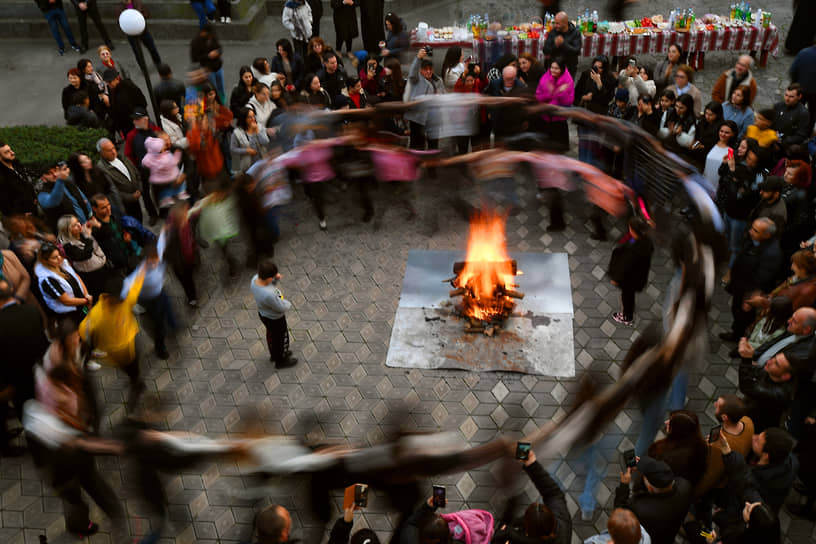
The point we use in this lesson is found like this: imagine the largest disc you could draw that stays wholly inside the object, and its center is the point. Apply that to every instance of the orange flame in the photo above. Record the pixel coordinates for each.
(487, 267)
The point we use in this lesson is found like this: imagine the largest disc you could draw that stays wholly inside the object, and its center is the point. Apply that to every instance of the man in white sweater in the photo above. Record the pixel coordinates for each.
(272, 308)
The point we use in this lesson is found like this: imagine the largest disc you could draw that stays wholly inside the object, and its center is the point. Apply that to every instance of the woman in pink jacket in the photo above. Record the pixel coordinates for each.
(556, 87)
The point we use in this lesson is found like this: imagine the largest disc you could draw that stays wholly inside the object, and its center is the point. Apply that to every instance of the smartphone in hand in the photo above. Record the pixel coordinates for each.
(714, 434)
(439, 496)
(628, 459)
(523, 450)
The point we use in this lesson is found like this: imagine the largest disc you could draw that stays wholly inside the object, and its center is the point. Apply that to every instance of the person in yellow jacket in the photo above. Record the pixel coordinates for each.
(110, 330)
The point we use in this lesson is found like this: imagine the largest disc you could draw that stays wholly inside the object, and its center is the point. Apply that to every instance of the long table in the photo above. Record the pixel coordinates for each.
(736, 38)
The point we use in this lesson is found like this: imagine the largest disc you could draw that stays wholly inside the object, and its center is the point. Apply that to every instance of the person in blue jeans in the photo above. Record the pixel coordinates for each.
(55, 15)
(205, 11)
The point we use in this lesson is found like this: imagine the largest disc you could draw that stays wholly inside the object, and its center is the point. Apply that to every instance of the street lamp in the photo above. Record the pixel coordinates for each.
(132, 23)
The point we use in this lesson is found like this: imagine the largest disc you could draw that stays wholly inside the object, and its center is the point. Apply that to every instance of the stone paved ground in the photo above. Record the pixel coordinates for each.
(344, 285)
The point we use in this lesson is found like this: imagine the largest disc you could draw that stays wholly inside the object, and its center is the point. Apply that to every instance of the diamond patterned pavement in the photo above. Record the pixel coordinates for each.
(344, 285)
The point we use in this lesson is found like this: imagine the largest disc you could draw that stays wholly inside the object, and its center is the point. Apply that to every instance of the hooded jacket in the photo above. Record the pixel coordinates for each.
(163, 165)
(297, 18)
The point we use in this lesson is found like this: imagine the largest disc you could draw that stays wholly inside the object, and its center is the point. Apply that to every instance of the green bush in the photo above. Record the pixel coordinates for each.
(37, 147)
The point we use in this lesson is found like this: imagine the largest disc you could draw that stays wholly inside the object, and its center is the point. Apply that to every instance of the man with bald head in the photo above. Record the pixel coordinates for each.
(507, 120)
(729, 80)
(755, 268)
(563, 41)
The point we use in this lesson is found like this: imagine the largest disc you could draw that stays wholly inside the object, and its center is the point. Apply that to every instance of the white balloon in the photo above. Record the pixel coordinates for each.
(132, 22)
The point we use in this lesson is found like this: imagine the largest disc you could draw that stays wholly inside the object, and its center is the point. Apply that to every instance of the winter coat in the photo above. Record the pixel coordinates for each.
(200, 49)
(163, 165)
(725, 86)
(470, 526)
(240, 141)
(661, 514)
(636, 86)
(333, 83)
(17, 195)
(207, 152)
(295, 77)
(756, 267)
(123, 100)
(694, 93)
(630, 263)
(297, 18)
(345, 20)
(320, 98)
(600, 97)
(175, 131)
(568, 51)
(558, 92)
(792, 124)
(734, 193)
(553, 497)
(743, 118)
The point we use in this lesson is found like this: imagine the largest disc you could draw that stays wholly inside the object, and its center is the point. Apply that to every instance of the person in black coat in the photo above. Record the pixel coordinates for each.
(85, 9)
(17, 195)
(663, 505)
(563, 41)
(288, 63)
(205, 50)
(371, 21)
(22, 343)
(341, 531)
(755, 268)
(317, 13)
(169, 88)
(768, 389)
(125, 96)
(345, 23)
(629, 267)
(548, 520)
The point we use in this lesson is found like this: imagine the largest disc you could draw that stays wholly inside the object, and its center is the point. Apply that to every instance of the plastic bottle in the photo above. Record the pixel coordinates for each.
(692, 17)
(595, 21)
(733, 12)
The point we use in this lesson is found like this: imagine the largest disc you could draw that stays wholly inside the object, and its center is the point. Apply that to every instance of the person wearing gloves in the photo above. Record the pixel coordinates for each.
(297, 18)
(272, 308)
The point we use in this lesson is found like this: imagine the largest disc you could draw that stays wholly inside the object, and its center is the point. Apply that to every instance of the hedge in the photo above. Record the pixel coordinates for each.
(37, 147)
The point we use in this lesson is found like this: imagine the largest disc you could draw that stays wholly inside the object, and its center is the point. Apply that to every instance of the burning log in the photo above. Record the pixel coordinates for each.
(485, 279)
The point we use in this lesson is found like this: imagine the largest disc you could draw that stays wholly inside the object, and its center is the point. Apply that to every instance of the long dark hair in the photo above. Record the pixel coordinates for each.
(287, 47)
(166, 107)
(396, 23)
(452, 58)
(779, 311)
(763, 526)
(207, 87)
(688, 120)
(241, 117)
(244, 69)
(397, 79)
(77, 172)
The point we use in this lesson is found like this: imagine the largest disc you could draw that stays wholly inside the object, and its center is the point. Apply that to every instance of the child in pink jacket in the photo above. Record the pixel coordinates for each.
(164, 170)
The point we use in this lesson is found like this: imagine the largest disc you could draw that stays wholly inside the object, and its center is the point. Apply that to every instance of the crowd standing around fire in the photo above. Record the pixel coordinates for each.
(80, 261)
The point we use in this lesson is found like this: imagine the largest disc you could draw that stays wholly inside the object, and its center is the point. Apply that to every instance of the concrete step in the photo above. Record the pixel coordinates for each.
(275, 7)
(109, 9)
(171, 28)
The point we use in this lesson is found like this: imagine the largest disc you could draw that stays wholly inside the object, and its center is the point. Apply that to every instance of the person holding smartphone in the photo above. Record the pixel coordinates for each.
(548, 520)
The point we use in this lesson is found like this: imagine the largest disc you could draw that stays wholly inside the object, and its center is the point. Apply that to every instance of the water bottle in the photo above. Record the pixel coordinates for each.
(692, 17)
(672, 17)
(733, 12)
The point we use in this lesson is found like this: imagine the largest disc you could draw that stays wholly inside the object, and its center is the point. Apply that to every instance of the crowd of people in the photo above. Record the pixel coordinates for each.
(89, 245)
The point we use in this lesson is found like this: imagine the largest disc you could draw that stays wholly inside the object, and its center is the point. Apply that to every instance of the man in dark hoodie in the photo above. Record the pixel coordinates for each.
(563, 41)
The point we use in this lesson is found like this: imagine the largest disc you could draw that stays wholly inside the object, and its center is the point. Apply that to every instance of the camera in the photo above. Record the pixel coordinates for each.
(428, 50)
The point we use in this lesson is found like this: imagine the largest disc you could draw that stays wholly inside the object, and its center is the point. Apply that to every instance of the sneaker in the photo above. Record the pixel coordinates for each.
(618, 316)
(223, 19)
(76, 48)
(61, 52)
(323, 224)
(92, 366)
(228, 20)
(587, 515)
(92, 529)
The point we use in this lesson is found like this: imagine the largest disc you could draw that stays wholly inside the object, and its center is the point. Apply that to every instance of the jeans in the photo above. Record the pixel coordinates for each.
(160, 312)
(592, 459)
(201, 11)
(217, 79)
(56, 18)
(147, 39)
(735, 232)
(652, 420)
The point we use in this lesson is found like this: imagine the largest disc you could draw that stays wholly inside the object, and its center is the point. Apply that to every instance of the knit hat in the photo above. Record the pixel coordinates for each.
(622, 95)
(657, 472)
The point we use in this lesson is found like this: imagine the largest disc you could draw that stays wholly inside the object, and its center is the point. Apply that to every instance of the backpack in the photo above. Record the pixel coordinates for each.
(470, 526)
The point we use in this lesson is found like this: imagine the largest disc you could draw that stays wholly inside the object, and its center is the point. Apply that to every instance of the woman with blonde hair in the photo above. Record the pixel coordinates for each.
(84, 252)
